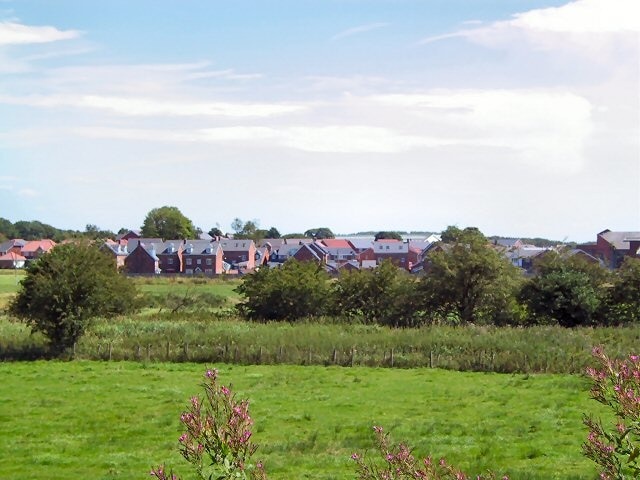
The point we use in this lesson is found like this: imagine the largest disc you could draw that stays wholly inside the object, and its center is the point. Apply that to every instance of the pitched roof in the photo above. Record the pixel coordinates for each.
(34, 245)
(336, 243)
(13, 256)
(620, 240)
(236, 245)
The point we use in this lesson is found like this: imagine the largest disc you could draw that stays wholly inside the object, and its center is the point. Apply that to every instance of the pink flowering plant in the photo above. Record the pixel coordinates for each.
(400, 464)
(616, 384)
(217, 437)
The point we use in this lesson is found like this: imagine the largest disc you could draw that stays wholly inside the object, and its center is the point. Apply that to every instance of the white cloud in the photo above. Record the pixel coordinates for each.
(359, 29)
(12, 33)
(595, 23)
(140, 106)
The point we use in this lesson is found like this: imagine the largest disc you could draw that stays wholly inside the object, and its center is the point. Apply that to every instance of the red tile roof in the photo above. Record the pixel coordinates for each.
(34, 245)
(336, 243)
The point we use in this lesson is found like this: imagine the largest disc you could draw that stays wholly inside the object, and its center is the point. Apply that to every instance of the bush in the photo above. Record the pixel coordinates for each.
(293, 291)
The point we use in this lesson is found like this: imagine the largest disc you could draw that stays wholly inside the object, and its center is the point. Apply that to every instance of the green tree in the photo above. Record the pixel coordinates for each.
(216, 232)
(384, 295)
(622, 300)
(468, 281)
(167, 223)
(388, 236)
(272, 233)
(566, 290)
(248, 229)
(319, 233)
(293, 291)
(66, 288)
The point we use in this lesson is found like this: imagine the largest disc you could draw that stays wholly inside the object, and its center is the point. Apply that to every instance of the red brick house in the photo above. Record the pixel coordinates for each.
(312, 252)
(613, 247)
(142, 260)
(201, 257)
(340, 250)
(169, 256)
(117, 250)
(239, 253)
(14, 245)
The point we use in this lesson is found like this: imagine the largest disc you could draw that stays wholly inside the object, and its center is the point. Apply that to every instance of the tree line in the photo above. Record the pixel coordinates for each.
(465, 281)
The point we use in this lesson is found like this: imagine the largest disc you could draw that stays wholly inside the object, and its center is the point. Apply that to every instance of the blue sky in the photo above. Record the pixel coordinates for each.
(519, 117)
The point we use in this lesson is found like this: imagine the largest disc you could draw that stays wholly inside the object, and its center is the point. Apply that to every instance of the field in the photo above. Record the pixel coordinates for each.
(104, 420)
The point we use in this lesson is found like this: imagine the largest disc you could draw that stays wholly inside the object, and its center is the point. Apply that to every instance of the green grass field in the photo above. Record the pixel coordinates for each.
(97, 420)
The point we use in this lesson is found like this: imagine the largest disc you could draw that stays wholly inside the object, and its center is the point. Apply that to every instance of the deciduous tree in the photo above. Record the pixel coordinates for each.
(167, 223)
(66, 288)
(468, 281)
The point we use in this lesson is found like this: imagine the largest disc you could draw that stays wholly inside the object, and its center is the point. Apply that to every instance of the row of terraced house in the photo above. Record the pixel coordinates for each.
(214, 256)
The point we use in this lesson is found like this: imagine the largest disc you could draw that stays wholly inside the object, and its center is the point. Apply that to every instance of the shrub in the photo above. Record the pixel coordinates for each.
(616, 384)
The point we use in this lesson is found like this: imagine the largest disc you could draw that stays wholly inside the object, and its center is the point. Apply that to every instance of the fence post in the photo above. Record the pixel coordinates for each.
(280, 354)
(110, 349)
(74, 350)
(392, 358)
(148, 352)
(260, 354)
(335, 356)
(353, 355)
(168, 348)
(186, 350)
(431, 359)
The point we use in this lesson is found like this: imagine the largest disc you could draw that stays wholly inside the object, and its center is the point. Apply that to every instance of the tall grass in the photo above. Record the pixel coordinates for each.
(219, 338)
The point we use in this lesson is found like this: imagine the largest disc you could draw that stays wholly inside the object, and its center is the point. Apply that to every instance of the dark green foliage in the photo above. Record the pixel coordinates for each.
(64, 289)
(623, 296)
(388, 236)
(293, 291)
(319, 233)
(568, 291)
(468, 281)
(215, 232)
(385, 295)
(272, 233)
(167, 223)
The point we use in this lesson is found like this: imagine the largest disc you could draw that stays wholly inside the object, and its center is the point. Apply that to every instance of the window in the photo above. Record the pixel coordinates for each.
(189, 263)
(189, 271)
(169, 261)
(209, 261)
(387, 247)
(199, 261)
(208, 271)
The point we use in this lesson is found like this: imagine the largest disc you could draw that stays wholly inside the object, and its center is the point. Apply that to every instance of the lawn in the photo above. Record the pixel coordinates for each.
(102, 420)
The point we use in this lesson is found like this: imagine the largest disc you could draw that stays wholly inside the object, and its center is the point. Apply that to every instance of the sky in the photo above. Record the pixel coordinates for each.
(519, 117)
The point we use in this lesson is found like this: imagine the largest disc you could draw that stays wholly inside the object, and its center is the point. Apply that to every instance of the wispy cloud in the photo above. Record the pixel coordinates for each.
(153, 106)
(28, 192)
(577, 22)
(13, 33)
(359, 29)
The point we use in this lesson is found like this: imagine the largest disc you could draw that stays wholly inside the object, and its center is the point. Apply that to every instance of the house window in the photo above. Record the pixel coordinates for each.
(243, 258)
(189, 271)
(208, 271)
(199, 261)
(209, 261)
(387, 247)
(189, 263)
(169, 261)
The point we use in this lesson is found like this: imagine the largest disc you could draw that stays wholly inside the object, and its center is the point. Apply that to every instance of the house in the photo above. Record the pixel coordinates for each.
(613, 247)
(508, 243)
(340, 251)
(129, 235)
(239, 253)
(35, 248)
(202, 257)
(169, 256)
(395, 250)
(132, 243)
(12, 260)
(360, 244)
(298, 241)
(142, 260)
(524, 256)
(117, 250)
(15, 245)
(312, 252)
(283, 253)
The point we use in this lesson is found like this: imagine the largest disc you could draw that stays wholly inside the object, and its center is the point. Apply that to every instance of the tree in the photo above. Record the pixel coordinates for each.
(216, 232)
(66, 288)
(385, 295)
(93, 232)
(468, 281)
(319, 233)
(248, 229)
(388, 236)
(272, 233)
(622, 301)
(294, 290)
(566, 290)
(167, 223)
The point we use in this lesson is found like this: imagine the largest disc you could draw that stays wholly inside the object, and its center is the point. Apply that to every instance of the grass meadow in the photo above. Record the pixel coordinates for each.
(113, 420)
